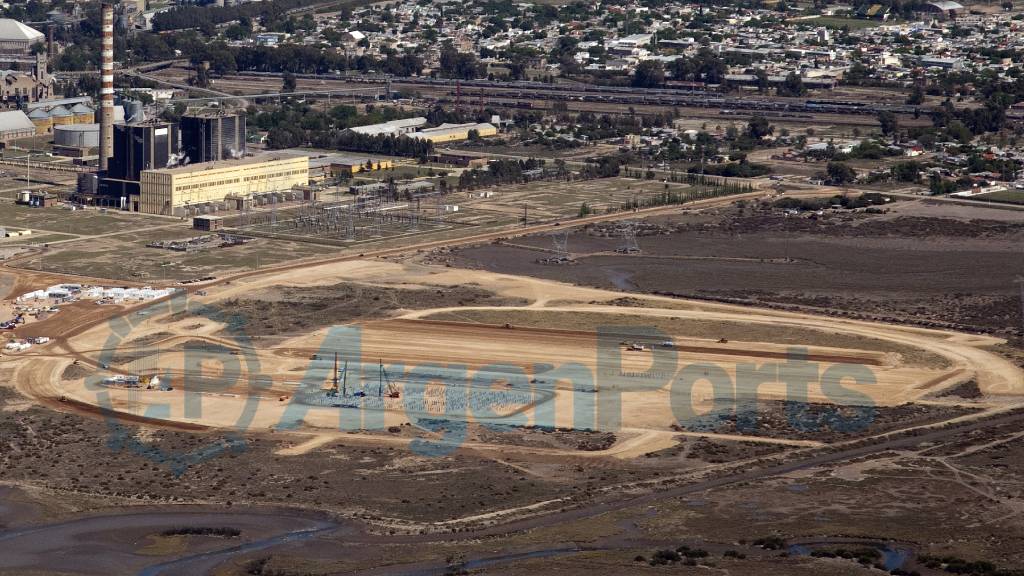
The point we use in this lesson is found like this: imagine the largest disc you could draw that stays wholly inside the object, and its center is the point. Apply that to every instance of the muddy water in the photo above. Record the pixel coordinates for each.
(204, 562)
(114, 544)
(16, 509)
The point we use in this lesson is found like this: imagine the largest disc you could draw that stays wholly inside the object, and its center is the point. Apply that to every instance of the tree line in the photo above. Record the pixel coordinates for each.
(207, 17)
(499, 172)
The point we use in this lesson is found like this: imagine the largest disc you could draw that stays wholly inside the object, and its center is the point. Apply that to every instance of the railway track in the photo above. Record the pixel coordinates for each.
(526, 90)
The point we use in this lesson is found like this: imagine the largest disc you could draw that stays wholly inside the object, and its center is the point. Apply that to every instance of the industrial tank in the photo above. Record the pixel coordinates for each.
(77, 135)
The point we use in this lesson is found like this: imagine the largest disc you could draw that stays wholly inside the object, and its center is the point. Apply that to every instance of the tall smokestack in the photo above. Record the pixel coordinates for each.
(107, 87)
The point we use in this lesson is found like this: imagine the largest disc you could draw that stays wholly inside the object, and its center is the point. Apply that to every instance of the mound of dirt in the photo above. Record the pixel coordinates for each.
(968, 390)
(75, 372)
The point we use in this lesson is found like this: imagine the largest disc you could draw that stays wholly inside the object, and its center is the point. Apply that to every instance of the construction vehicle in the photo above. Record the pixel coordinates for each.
(13, 323)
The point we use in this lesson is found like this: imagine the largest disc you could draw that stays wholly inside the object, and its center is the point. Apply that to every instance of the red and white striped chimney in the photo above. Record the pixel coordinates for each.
(107, 87)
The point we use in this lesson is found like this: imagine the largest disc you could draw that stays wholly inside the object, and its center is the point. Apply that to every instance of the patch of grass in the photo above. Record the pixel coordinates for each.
(202, 531)
(160, 545)
(77, 222)
(40, 239)
(1004, 197)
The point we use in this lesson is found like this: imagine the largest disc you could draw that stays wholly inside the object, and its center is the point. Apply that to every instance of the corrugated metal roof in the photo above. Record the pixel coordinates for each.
(15, 120)
(14, 30)
(390, 126)
(58, 102)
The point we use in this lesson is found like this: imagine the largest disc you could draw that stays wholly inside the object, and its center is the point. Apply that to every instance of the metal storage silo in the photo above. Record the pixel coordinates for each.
(77, 135)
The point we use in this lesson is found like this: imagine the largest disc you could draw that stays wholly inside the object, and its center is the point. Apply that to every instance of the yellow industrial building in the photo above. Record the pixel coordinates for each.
(170, 191)
(355, 165)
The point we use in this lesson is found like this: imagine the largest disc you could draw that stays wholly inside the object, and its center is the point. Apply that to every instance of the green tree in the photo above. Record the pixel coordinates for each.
(649, 74)
(916, 97)
(289, 82)
(888, 122)
(839, 173)
(792, 86)
(909, 171)
(759, 127)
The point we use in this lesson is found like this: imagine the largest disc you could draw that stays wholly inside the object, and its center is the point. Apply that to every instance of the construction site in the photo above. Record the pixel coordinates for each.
(218, 360)
(537, 364)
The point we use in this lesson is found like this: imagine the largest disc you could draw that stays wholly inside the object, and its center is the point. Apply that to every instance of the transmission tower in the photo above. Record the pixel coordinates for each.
(629, 243)
(561, 242)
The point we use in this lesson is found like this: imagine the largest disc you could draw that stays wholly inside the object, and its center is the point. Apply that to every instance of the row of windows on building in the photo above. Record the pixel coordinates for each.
(187, 187)
(276, 175)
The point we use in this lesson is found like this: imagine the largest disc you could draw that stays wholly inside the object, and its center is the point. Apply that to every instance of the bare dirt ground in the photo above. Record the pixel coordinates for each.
(907, 364)
(928, 269)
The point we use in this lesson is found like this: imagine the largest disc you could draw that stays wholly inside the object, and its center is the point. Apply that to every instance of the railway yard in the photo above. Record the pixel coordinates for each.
(526, 95)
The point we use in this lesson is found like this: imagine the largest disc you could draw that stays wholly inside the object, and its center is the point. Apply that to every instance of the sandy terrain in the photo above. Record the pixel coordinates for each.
(548, 395)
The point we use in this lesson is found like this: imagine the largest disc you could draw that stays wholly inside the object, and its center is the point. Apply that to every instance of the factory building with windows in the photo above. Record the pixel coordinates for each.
(174, 191)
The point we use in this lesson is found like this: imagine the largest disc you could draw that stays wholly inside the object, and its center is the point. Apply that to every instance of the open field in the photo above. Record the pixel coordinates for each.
(77, 222)
(928, 268)
(127, 258)
(1006, 197)
(113, 245)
